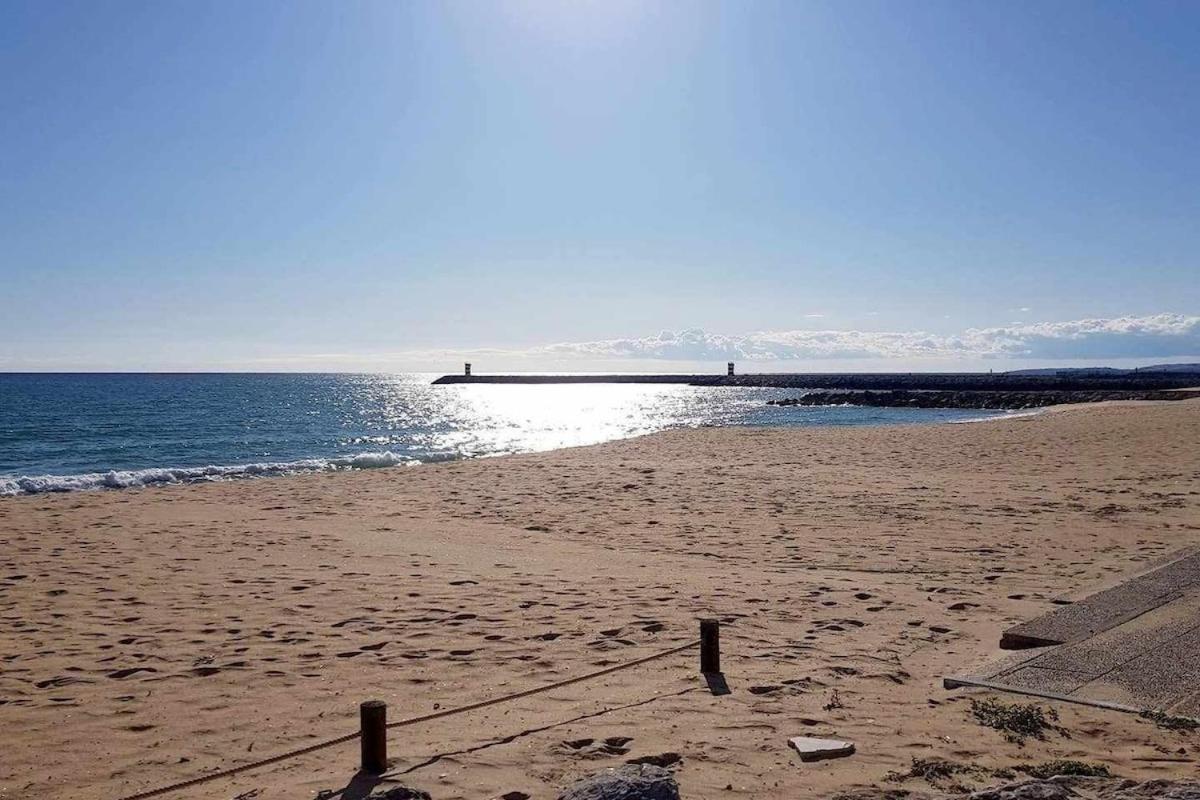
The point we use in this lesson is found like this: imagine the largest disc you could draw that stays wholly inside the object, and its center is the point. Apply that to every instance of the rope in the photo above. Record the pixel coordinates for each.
(540, 689)
(225, 773)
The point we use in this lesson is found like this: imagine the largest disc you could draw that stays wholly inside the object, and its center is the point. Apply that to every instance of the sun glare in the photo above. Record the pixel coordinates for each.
(579, 22)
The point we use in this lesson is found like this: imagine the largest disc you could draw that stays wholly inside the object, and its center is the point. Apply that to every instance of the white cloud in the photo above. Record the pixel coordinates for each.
(1160, 337)
(1165, 335)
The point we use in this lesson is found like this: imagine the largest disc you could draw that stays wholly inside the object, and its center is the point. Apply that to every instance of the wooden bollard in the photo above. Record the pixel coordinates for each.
(372, 727)
(710, 646)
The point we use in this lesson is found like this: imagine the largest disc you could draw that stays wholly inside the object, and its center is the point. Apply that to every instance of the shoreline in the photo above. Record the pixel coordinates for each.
(158, 477)
(154, 477)
(158, 635)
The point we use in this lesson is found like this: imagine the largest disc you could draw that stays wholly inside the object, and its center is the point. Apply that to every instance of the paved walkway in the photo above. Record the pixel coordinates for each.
(1135, 645)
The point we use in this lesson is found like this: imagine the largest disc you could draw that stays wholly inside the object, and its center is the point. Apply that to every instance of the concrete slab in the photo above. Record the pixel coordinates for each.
(811, 749)
(1158, 679)
(1188, 707)
(1108, 608)
(1134, 646)
(1046, 681)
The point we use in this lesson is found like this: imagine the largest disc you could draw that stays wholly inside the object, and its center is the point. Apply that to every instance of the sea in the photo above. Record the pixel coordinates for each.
(70, 432)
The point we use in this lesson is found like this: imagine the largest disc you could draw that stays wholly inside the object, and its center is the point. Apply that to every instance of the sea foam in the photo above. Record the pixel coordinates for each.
(124, 479)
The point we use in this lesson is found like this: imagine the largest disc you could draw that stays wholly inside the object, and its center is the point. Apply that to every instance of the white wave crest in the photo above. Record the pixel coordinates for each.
(123, 479)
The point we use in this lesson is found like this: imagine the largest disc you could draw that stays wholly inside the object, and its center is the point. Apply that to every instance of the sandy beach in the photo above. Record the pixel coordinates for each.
(153, 635)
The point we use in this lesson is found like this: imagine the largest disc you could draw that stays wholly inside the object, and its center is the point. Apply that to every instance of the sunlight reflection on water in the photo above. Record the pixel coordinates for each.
(70, 424)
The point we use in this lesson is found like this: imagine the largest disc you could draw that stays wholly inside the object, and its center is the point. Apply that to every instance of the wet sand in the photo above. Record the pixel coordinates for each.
(153, 635)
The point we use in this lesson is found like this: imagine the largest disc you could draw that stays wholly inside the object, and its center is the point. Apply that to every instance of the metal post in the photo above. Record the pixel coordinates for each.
(372, 721)
(710, 646)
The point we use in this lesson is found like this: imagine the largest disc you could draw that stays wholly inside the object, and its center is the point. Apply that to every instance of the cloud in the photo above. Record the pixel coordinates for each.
(1160, 335)
(1157, 337)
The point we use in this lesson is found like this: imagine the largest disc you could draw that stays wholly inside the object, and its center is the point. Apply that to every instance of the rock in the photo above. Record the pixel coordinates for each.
(984, 399)
(1051, 789)
(813, 749)
(881, 794)
(1062, 787)
(630, 782)
(1158, 790)
(398, 793)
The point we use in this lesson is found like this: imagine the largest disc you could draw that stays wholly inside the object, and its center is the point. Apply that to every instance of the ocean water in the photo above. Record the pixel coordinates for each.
(64, 432)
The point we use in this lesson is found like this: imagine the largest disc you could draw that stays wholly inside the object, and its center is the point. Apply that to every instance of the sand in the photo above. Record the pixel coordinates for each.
(152, 635)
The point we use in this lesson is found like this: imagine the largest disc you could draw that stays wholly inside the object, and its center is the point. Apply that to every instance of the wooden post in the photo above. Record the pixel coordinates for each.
(710, 646)
(372, 722)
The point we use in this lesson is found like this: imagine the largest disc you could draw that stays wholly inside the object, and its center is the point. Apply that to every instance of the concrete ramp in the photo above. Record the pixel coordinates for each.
(1110, 607)
(1133, 646)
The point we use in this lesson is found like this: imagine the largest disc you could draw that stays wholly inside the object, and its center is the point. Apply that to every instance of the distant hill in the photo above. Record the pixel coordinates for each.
(1082, 371)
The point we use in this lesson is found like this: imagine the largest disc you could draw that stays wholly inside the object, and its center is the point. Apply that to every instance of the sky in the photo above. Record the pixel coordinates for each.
(598, 185)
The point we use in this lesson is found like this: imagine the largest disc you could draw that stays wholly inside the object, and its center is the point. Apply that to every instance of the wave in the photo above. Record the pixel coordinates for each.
(999, 415)
(157, 476)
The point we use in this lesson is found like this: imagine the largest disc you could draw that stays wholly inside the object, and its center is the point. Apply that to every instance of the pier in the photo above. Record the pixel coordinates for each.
(913, 381)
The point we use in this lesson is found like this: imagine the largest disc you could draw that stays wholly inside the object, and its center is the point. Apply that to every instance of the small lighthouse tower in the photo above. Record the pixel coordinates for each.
(730, 370)
(467, 369)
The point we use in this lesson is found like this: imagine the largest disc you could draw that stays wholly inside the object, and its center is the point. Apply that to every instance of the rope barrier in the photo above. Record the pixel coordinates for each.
(225, 773)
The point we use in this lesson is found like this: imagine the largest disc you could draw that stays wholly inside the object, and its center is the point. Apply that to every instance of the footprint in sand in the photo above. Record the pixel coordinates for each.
(61, 680)
(659, 760)
(125, 673)
(615, 745)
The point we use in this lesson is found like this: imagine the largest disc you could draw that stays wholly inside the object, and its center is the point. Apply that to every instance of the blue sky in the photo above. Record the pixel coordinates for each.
(361, 185)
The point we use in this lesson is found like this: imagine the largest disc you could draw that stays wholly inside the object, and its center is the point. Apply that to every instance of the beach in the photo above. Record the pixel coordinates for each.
(152, 635)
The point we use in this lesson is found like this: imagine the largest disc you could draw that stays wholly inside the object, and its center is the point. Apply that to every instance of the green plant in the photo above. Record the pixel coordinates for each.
(1017, 722)
(932, 770)
(1048, 769)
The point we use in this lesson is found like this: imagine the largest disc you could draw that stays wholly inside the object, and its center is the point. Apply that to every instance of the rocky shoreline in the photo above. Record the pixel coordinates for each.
(999, 401)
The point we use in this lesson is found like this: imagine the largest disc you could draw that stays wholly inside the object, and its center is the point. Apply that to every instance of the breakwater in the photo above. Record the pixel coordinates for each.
(862, 381)
(973, 399)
